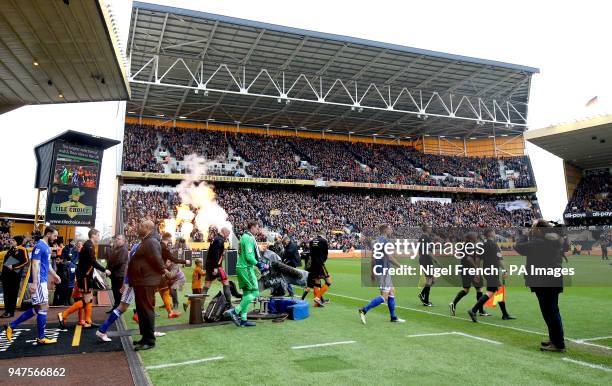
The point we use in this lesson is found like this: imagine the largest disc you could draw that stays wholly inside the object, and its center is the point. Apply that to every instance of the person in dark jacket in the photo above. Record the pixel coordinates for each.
(78, 246)
(84, 277)
(71, 270)
(68, 251)
(426, 261)
(17, 259)
(61, 289)
(278, 246)
(146, 270)
(542, 249)
(290, 255)
(319, 249)
(117, 265)
(214, 264)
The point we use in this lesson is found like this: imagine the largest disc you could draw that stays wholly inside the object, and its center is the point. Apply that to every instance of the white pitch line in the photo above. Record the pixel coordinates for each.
(183, 363)
(578, 341)
(455, 333)
(590, 344)
(432, 334)
(323, 344)
(596, 338)
(587, 364)
(477, 337)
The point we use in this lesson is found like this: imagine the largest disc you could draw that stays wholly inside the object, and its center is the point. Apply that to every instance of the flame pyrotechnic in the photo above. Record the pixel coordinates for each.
(198, 204)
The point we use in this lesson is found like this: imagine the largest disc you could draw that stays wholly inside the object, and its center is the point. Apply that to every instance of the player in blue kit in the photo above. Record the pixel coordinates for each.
(40, 271)
(387, 291)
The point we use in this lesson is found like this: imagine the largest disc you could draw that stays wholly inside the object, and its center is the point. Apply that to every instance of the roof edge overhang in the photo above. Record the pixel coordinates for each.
(330, 36)
(103, 9)
(568, 127)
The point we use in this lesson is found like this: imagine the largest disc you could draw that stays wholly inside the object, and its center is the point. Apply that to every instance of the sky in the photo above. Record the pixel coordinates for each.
(567, 40)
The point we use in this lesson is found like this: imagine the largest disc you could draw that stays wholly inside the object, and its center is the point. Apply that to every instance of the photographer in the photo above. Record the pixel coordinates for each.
(15, 260)
(542, 249)
(278, 246)
(291, 257)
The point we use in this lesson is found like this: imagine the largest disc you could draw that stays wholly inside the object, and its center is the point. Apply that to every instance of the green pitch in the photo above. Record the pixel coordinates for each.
(505, 352)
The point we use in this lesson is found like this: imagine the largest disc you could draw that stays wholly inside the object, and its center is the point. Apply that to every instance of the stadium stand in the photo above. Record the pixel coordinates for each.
(341, 216)
(274, 158)
(139, 146)
(158, 149)
(592, 194)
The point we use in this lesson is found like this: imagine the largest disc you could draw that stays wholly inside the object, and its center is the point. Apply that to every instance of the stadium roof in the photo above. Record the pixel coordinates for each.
(586, 143)
(82, 139)
(54, 52)
(193, 65)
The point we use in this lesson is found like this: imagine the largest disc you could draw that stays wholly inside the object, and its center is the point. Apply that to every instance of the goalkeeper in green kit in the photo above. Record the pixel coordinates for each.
(248, 259)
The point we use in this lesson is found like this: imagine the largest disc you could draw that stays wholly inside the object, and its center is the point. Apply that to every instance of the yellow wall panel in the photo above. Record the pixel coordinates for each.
(573, 175)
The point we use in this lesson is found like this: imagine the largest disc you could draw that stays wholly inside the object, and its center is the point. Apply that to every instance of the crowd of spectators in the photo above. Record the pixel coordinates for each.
(522, 166)
(593, 194)
(270, 158)
(139, 145)
(340, 216)
(180, 143)
(5, 240)
(330, 159)
(140, 204)
(279, 157)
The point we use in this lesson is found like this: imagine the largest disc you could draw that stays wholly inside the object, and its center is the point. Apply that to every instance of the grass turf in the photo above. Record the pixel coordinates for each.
(383, 353)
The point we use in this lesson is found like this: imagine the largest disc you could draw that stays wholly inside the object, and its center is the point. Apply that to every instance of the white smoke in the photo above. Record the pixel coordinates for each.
(198, 204)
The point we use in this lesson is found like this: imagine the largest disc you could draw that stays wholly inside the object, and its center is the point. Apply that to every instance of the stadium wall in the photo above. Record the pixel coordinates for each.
(573, 175)
(473, 147)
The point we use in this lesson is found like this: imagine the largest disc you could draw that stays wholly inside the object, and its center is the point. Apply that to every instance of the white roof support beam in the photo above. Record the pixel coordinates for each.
(156, 65)
(475, 109)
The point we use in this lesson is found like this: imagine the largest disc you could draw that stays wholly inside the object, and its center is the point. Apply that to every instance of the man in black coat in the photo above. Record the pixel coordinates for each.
(290, 255)
(214, 264)
(68, 251)
(117, 265)
(426, 260)
(145, 271)
(542, 249)
(15, 260)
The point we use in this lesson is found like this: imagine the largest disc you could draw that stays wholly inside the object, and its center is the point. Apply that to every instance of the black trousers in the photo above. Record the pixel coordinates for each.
(174, 295)
(10, 286)
(549, 306)
(116, 284)
(59, 296)
(145, 307)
